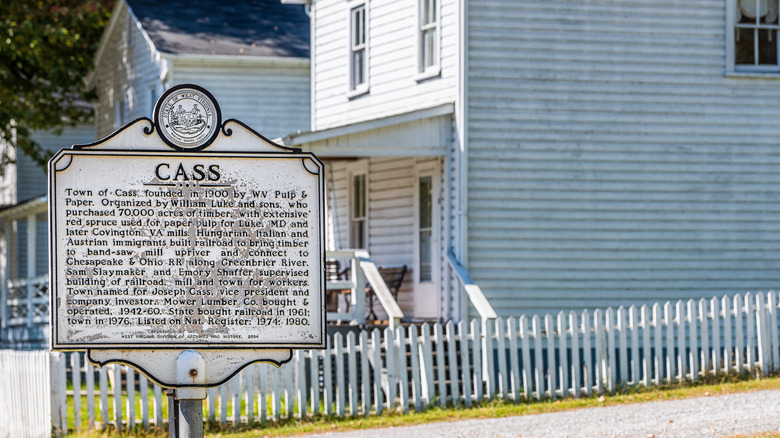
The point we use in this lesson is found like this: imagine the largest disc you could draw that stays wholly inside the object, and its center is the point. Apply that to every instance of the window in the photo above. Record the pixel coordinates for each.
(754, 45)
(358, 223)
(428, 41)
(358, 63)
(425, 227)
(119, 113)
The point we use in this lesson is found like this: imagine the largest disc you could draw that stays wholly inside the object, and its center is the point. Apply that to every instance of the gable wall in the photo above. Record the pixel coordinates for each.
(610, 160)
(271, 99)
(129, 69)
(392, 42)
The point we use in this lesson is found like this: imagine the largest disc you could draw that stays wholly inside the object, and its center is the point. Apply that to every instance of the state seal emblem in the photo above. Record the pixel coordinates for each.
(187, 117)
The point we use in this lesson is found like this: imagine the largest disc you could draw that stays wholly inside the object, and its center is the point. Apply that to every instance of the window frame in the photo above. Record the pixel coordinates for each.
(424, 71)
(357, 170)
(353, 88)
(734, 69)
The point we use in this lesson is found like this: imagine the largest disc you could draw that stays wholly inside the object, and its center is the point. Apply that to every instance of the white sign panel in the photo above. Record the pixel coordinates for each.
(187, 250)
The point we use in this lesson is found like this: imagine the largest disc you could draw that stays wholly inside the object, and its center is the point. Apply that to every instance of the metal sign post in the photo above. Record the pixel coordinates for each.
(187, 248)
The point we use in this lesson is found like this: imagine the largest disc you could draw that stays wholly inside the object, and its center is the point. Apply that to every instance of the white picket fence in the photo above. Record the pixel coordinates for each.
(412, 368)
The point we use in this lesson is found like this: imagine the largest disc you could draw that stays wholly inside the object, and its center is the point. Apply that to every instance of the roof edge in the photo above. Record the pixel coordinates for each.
(396, 119)
(179, 58)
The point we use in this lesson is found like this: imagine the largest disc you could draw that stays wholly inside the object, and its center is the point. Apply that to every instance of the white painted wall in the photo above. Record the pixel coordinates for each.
(270, 97)
(610, 159)
(127, 69)
(392, 39)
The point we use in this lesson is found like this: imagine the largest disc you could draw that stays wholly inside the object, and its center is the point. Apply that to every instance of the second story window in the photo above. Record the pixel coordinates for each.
(755, 26)
(358, 65)
(429, 37)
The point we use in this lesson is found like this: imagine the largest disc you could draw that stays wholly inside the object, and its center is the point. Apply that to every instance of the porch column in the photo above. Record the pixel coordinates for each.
(6, 269)
(31, 231)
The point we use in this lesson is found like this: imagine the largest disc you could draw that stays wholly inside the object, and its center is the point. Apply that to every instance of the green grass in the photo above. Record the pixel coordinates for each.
(492, 409)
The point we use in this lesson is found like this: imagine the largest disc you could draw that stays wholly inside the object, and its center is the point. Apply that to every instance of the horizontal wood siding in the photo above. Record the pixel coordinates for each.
(610, 160)
(127, 71)
(31, 178)
(392, 51)
(273, 100)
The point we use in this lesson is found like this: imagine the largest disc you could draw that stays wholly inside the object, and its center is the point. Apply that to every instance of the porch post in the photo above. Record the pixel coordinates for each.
(31, 231)
(6, 270)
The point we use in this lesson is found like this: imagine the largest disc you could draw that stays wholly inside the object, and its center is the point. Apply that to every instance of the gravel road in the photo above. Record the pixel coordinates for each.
(726, 415)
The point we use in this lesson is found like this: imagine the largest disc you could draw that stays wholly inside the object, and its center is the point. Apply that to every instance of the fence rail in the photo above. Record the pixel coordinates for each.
(412, 368)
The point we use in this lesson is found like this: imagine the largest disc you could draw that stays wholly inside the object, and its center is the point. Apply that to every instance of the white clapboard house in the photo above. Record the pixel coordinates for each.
(252, 55)
(565, 154)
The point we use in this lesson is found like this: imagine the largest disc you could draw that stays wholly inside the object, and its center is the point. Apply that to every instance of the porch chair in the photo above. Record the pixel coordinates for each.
(333, 271)
(393, 278)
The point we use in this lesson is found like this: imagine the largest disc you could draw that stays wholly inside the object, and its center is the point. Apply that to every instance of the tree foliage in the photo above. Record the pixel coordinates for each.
(46, 51)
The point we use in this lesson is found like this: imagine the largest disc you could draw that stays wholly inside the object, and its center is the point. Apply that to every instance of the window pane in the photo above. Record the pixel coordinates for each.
(430, 47)
(359, 192)
(425, 256)
(743, 46)
(358, 73)
(767, 47)
(768, 10)
(425, 201)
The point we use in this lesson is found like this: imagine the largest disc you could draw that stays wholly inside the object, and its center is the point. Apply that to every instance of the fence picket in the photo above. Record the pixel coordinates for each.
(586, 348)
(353, 385)
(633, 321)
(622, 343)
(452, 361)
(377, 349)
(658, 361)
(89, 380)
(415, 358)
(647, 366)
(750, 356)
(739, 354)
(514, 363)
(464, 362)
(575, 353)
(539, 373)
(611, 374)
(365, 377)
(249, 393)
(130, 377)
(118, 396)
(426, 364)
(761, 329)
(289, 391)
(715, 316)
(103, 383)
(75, 365)
(526, 358)
(728, 334)
(340, 380)
(693, 329)
(503, 373)
(143, 386)
(682, 359)
(276, 389)
(314, 380)
(601, 351)
(671, 360)
(773, 335)
(552, 380)
(438, 338)
(262, 391)
(563, 360)
(391, 367)
(490, 366)
(704, 338)
(476, 336)
(402, 374)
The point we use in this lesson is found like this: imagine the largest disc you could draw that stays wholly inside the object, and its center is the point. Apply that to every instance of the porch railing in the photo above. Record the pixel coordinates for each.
(362, 270)
(473, 291)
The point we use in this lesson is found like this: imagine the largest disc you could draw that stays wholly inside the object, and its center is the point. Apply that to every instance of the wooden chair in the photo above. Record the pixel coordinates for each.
(333, 271)
(394, 278)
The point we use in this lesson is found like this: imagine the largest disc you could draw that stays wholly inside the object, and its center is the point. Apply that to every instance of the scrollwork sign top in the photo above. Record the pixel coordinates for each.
(187, 118)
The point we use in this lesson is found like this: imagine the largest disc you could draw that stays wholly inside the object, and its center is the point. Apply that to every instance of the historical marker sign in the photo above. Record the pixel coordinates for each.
(181, 247)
